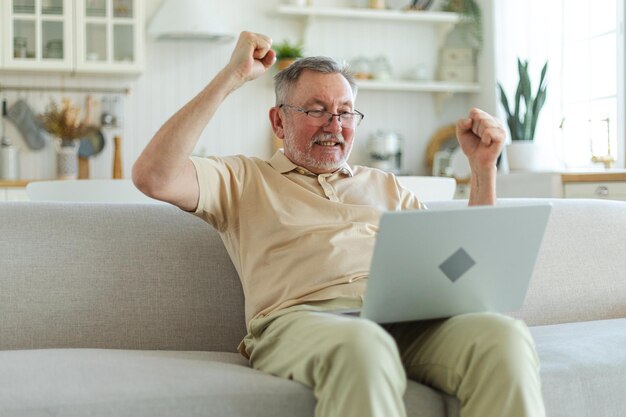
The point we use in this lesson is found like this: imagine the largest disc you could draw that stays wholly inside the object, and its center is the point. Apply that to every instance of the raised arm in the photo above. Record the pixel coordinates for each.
(481, 137)
(163, 170)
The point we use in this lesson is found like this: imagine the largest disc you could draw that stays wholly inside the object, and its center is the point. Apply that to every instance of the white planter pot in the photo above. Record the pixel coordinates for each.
(525, 156)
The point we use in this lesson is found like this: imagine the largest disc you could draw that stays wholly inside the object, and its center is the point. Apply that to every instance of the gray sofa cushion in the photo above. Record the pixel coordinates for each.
(583, 368)
(581, 363)
(115, 276)
(119, 383)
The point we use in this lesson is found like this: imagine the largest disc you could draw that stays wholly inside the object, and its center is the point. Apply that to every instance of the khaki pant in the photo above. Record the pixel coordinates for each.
(359, 368)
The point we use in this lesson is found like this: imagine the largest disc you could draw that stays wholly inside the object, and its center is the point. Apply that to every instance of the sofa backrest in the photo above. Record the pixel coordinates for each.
(115, 276)
(580, 273)
(154, 277)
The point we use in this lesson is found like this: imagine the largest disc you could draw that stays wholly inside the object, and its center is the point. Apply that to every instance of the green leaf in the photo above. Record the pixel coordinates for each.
(504, 100)
(523, 122)
(287, 49)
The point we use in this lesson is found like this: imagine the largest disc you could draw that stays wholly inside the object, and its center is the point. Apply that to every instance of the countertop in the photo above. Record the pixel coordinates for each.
(594, 176)
(14, 183)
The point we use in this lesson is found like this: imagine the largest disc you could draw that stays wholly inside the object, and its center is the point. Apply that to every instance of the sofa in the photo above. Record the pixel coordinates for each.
(136, 310)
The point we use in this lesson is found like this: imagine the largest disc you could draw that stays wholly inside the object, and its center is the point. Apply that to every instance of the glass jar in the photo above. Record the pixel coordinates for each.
(54, 49)
(19, 47)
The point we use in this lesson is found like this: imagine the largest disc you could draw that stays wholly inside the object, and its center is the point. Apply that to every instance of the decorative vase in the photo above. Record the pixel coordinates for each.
(67, 159)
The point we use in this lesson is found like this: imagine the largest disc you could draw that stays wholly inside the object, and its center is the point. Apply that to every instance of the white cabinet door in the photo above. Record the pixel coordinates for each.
(37, 35)
(110, 36)
(16, 194)
(603, 190)
(89, 36)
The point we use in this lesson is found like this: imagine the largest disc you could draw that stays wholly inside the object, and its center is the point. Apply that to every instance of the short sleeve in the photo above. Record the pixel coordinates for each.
(220, 181)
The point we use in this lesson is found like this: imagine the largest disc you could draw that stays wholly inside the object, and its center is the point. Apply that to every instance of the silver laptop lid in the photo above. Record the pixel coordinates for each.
(430, 264)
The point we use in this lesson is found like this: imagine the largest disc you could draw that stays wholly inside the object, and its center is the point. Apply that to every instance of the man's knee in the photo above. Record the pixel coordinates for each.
(362, 344)
(363, 338)
(504, 341)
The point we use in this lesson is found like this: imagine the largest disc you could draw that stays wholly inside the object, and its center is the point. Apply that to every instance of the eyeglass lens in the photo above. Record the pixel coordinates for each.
(347, 120)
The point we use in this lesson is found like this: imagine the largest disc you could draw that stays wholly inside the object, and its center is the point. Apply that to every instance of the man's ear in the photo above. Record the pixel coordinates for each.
(277, 122)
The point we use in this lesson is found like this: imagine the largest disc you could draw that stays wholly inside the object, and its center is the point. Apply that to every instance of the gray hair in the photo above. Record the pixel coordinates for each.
(287, 78)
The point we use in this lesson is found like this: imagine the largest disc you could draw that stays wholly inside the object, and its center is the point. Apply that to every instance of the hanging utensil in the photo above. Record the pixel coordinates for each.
(90, 145)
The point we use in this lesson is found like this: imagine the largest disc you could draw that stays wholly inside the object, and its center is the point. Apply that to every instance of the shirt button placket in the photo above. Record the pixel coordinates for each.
(328, 189)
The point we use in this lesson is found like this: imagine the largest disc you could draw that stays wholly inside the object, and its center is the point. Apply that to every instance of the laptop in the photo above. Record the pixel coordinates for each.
(440, 263)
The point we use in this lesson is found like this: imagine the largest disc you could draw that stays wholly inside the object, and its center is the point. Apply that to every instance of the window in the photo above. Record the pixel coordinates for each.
(583, 40)
(589, 77)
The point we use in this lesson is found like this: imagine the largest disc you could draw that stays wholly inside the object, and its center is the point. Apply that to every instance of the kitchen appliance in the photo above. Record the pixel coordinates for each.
(385, 151)
(91, 144)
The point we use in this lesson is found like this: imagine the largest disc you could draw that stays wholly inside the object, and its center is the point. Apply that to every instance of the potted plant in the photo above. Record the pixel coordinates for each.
(522, 120)
(287, 53)
(472, 23)
(66, 125)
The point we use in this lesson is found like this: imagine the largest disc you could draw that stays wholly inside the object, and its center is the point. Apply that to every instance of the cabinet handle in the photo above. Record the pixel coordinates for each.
(602, 191)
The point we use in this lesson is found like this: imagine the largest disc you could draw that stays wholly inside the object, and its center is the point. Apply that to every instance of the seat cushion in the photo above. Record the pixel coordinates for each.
(99, 382)
(120, 383)
(583, 368)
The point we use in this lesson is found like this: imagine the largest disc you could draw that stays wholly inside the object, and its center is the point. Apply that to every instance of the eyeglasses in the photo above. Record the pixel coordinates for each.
(323, 118)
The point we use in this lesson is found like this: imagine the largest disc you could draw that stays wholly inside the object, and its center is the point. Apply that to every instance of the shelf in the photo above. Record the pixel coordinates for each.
(419, 86)
(359, 13)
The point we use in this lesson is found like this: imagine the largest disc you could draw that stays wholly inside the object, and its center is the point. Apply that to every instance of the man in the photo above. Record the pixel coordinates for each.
(300, 230)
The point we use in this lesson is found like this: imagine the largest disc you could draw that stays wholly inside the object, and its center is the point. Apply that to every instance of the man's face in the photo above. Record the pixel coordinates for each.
(325, 148)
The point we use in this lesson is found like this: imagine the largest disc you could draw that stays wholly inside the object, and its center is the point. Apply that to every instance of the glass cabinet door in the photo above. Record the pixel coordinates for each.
(37, 34)
(123, 31)
(109, 35)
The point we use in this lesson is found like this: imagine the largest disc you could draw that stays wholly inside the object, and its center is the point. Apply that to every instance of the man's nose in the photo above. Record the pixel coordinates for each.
(334, 123)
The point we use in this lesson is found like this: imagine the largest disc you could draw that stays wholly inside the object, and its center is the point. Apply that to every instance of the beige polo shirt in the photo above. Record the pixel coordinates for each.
(292, 235)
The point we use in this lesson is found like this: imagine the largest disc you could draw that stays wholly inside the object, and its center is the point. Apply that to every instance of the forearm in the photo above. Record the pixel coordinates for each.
(167, 153)
(483, 187)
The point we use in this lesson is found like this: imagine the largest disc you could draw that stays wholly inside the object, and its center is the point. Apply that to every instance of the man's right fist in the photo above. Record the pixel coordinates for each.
(252, 56)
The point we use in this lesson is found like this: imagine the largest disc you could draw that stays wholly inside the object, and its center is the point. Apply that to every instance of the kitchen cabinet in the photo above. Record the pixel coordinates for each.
(13, 194)
(601, 190)
(13, 190)
(37, 34)
(607, 185)
(83, 36)
(442, 23)
(610, 185)
(109, 36)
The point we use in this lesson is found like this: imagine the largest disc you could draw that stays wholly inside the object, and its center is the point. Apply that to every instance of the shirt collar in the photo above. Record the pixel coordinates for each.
(283, 165)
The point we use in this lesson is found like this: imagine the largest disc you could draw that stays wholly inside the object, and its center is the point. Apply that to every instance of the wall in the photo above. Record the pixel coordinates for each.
(176, 71)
